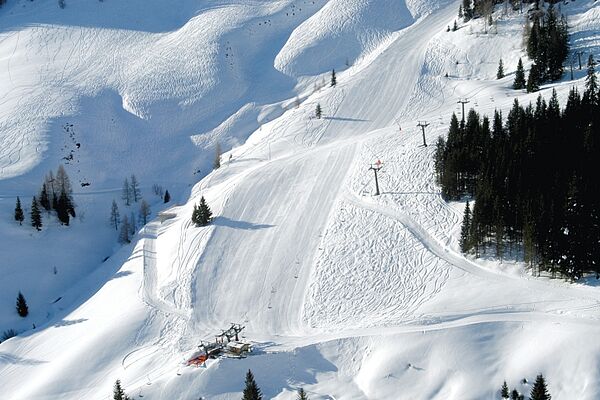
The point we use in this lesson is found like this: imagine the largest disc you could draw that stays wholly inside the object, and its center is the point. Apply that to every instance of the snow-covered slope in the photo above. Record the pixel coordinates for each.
(349, 295)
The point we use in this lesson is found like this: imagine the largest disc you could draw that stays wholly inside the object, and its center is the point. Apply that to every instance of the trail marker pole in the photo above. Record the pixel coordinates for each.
(463, 102)
(376, 168)
(423, 125)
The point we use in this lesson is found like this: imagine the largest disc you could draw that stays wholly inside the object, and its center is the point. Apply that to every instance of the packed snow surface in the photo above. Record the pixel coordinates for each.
(347, 294)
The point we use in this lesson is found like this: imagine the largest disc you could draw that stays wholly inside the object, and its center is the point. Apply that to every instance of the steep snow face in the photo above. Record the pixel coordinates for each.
(337, 35)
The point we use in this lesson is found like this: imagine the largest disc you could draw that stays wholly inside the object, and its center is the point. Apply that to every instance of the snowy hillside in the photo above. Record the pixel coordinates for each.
(346, 294)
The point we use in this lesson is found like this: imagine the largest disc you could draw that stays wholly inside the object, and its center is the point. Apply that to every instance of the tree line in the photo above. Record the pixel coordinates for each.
(532, 177)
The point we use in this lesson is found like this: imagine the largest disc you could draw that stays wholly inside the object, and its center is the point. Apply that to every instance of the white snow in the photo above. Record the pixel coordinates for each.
(346, 294)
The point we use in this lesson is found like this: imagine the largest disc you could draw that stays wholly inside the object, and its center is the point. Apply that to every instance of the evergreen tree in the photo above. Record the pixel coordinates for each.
(539, 390)
(519, 82)
(22, 308)
(318, 111)
(202, 215)
(217, 160)
(44, 198)
(455, 26)
(126, 192)
(333, 78)
(514, 395)
(144, 212)
(63, 208)
(465, 230)
(504, 391)
(54, 201)
(36, 215)
(302, 394)
(167, 197)
(115, 217)
(533, 81)
(467, 10)
(124, 236)
(118, 392)
(500, 73)
(460, 11)
(19, 217)
(591, 82)
(251, 391)
(136, 193)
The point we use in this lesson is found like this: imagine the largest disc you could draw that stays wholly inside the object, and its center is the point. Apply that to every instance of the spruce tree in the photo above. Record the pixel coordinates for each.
(514, 395)
(504, 391)
(519, 82)
(22, 308)
(126, 192)
(467, 10)
(62, 211)
(135, 191)
(591, 82)
(251, 391)
(202, 214)
(533, 81)
(455, 26)
(36, 215)
(333, 78)
(115, 217)
(318, 111)
(167, 197)
(539, 390)
(500, 73)
(302, 394)
(19, 217)
(118, 392)
(63, 181)
(465, 230)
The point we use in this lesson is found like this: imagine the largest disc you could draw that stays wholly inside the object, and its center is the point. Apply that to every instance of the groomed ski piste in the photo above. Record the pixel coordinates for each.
(346, 294)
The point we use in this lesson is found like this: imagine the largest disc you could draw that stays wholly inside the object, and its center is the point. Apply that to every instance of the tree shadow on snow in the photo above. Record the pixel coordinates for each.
(229, 223)
(68, 322)
(345, 119)
(6, 358)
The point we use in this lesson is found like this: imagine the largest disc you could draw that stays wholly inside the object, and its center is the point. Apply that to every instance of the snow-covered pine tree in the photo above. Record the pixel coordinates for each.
(19, 217)
(167, 197)
(500, 73)
(115, 217)
(144, 212)
(124, 233)
(333, 78)
(202, 214)
(533, 81)
(302, 394)
(504, 391)
(126, 192)
(455, 26)
(22, 308)
(118, 392)
(136, 193)
(36, 215)
(251, 391)
(591, 82)
(318, 111)
(465, 230)
(519, 82)
(540, 390)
